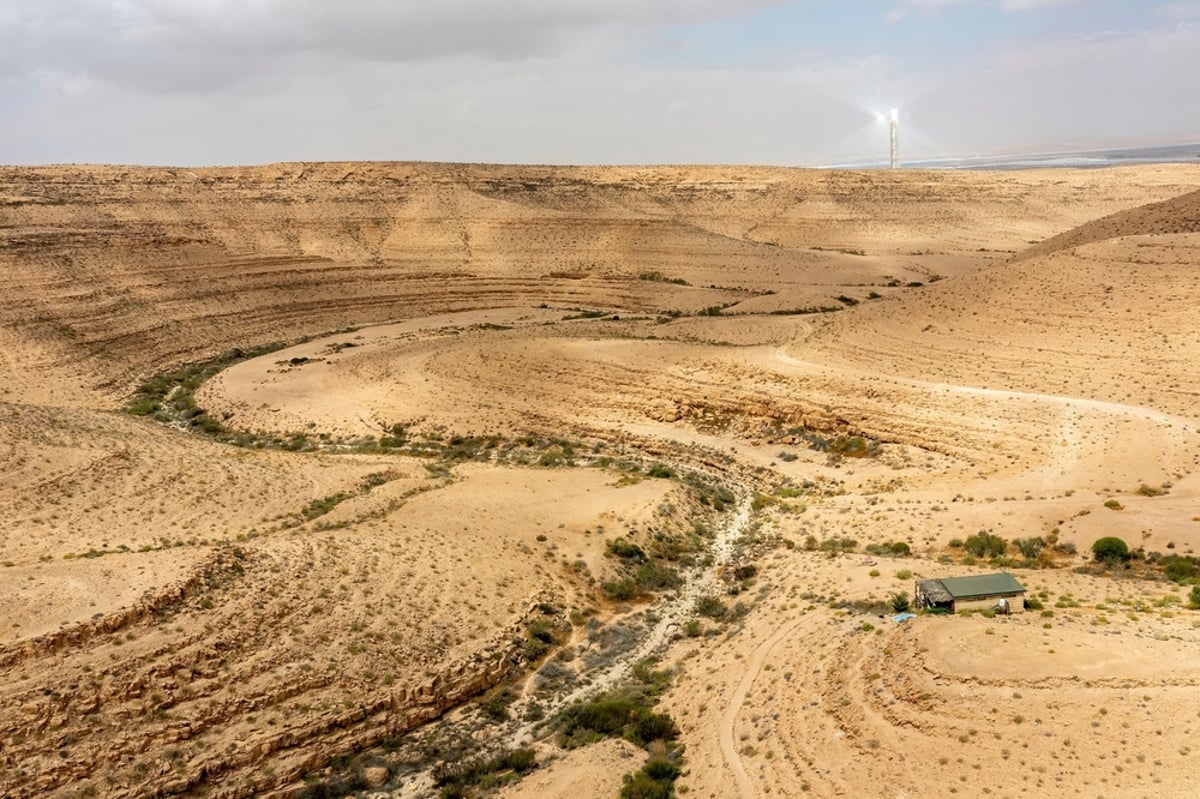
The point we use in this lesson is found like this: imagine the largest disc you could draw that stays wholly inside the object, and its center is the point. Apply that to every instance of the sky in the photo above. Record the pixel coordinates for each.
(787, 82)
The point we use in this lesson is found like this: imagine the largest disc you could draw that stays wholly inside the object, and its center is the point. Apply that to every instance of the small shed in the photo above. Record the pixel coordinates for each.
(979, 592)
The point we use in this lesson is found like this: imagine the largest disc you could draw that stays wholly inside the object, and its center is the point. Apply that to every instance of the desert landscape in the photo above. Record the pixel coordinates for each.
(419, 479)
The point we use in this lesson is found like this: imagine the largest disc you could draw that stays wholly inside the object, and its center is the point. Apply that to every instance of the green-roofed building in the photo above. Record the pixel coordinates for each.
(983, 591)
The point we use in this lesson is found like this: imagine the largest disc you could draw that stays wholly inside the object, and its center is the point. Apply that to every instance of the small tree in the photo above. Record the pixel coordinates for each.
(1111, 549)
(985, 545)
(900, 602)
(1029, 547)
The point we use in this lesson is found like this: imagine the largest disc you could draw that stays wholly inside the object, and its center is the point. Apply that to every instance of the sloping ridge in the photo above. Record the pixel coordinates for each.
(1176, 215)
(1118, 323)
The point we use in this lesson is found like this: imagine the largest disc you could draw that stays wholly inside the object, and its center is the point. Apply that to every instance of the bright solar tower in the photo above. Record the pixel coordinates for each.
(894, 127)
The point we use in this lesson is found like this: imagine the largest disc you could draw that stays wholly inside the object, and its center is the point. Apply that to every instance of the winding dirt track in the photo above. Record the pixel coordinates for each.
(1104, 407)
(729, 717)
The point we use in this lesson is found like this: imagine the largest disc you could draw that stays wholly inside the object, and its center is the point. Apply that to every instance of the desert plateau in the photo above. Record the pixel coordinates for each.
(424, 479)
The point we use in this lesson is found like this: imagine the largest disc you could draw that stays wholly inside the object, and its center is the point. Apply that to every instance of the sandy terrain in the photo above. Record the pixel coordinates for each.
(183, 616)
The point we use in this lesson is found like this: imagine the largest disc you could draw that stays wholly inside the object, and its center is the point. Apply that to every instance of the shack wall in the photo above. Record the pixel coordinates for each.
(1016, 603)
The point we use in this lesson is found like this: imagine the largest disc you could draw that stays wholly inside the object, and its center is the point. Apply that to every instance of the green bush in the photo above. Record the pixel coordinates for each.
(661, 769)
(1029, 547)
(614, 715)
(1111, 549)
(1179, 569)
(462, 777)
(900, 602)
(711, 607)
(1194, 598)
(643, 786)
(621, 590)
(626, 550)
(985, 545)
(654, 577)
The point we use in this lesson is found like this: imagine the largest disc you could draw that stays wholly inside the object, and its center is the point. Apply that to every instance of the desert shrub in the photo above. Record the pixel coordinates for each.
(495, 704)
(1029, 547)
(1033, 603)
(541, 629)
(642, 786)
(1111, 549)
(621, 590)
(319, 507)
(894, 548)
(614, 715)
(394, 437)
(838, 545)
(659, 470)
(900, 602)
(711, 607)
(656, 577)
(659, 277)
(461, 778)
(955, 543)
(1179, 569)
(627, 550)
(853, 447)
(1194, 598)
(985, 545)
(1113, 504)
(662, 769)
(747, 571)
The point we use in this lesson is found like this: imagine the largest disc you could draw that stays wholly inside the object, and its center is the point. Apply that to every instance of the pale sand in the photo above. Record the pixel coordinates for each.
(1015, 395)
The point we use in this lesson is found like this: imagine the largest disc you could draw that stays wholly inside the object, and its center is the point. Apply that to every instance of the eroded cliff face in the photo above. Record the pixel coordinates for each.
(228, 712)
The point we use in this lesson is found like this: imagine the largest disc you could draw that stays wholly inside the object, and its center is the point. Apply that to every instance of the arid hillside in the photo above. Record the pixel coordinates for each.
(1108, 311)
(112, 273)
(328, 477)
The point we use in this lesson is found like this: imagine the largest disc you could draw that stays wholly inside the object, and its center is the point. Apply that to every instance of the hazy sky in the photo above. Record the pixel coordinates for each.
(588, 81)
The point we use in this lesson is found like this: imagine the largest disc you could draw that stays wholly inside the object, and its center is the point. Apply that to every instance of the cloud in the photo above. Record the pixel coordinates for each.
(929, 7)
(206, 45)
(1117, 86)
(1179, 11)
(218, 81)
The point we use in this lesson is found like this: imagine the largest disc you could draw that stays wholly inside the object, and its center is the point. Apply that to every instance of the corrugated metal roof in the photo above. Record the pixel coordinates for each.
(982, 585)
(935, 592)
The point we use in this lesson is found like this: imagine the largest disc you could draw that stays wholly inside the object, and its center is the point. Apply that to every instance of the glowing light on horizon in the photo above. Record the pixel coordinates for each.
(894, 131)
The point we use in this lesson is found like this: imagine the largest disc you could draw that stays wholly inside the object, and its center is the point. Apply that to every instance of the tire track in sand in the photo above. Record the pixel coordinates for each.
(725, 731)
